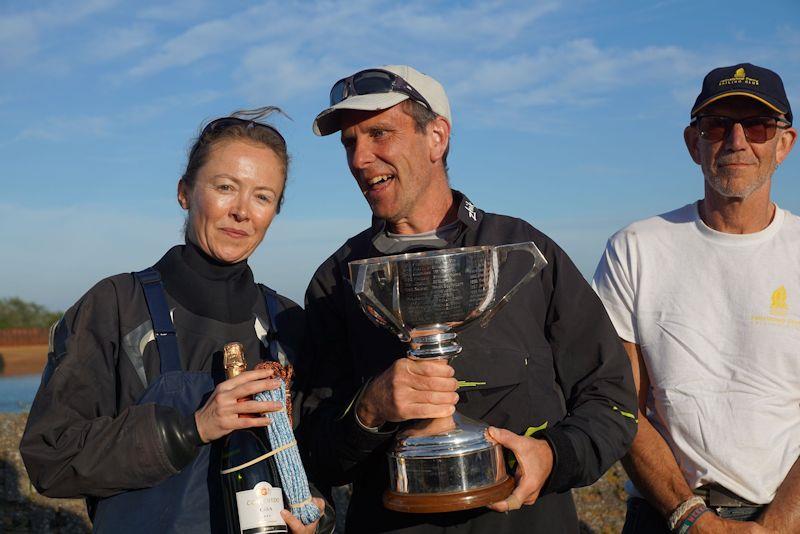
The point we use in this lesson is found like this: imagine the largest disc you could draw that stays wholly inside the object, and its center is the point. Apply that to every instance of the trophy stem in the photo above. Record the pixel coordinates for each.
(441, 346)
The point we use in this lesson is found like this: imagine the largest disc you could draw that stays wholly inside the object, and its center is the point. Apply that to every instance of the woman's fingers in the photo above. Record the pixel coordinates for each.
(250, 388)
(246, 376)
(254, 406)
(249, 422)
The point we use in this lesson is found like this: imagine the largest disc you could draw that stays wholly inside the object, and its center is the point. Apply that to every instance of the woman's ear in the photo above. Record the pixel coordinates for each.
(183, 194)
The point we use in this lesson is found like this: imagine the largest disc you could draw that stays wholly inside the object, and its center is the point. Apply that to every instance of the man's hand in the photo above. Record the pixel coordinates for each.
(710, 523)
(534, 464)
(409, 389)
(296, 526)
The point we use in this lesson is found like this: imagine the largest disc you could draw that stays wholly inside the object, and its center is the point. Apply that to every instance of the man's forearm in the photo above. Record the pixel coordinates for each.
(652, 467)
(783, 514)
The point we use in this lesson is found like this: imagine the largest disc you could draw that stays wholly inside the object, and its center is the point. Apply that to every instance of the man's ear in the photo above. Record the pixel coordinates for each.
(785, 144)
(438, 137)
(183, 194)
(691, 136)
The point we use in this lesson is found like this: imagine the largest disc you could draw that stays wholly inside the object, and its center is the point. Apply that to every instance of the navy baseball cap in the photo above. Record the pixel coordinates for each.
(744, 79)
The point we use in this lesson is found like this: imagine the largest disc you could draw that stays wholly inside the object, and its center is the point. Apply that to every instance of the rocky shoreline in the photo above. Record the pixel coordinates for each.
(601, 507)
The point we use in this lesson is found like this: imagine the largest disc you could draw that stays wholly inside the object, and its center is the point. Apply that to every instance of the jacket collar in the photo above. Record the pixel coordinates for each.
(468, 214)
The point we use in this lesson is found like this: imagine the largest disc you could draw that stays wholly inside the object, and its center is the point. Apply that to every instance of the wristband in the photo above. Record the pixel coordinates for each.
(681, 510)
(692, 519)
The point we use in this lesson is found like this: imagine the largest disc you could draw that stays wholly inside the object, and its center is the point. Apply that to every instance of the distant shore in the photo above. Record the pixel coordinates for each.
(23, 360)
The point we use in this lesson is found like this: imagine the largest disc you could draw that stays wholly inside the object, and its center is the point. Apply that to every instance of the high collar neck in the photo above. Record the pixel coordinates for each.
(207, 287)
(208, 267)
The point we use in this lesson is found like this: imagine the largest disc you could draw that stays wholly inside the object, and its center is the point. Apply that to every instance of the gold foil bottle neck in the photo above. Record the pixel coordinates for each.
(233, 359)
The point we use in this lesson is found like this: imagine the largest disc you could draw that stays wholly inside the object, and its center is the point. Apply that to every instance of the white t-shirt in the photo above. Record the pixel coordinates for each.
(718, 319)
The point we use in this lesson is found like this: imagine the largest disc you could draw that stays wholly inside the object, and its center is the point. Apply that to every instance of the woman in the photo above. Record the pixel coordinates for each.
(128, 401)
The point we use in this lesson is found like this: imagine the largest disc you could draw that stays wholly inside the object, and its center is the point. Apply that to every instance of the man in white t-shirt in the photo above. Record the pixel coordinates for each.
(706, 299)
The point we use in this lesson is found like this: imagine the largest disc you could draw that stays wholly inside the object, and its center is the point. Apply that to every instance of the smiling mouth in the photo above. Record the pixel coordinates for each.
(234, 233)
(377, 182)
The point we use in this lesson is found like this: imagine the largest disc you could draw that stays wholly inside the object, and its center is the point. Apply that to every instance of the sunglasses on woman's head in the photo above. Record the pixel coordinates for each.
(226, 122)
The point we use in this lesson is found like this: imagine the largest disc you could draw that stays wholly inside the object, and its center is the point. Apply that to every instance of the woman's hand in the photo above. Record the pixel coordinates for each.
(221, 413)
(296, 526)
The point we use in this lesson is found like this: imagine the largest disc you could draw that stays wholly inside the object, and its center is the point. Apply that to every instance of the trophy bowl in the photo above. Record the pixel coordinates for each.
(426, 298)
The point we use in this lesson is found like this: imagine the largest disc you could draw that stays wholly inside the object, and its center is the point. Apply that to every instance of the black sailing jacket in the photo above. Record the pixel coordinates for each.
(549, 362)
(85, 436)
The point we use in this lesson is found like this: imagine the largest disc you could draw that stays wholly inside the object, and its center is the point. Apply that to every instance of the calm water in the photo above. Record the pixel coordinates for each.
(17, 392)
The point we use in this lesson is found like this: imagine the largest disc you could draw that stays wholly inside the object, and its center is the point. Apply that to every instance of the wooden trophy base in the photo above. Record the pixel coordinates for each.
(428, 503)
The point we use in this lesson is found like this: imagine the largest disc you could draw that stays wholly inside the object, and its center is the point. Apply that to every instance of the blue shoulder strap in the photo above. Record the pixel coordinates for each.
(275, 350)
(163, 328)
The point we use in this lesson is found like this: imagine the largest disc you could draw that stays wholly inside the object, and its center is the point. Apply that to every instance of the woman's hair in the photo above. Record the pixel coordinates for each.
(245, 125)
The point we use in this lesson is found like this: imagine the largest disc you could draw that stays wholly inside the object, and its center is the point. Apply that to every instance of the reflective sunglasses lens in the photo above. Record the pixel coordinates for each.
(713, 128)
(759, 129)
(756, 129)
(369, 82)
(337, 92)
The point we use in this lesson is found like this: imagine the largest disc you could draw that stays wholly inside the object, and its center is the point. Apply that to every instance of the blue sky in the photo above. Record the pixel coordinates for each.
(567, 114)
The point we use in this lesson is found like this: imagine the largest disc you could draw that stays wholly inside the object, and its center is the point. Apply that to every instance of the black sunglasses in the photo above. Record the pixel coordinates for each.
(715, 128)
(226, 122)
(372, 81)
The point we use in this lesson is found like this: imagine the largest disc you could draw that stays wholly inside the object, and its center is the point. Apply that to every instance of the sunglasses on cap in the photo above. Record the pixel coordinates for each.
(226, 122)
(373, 81)
(715, 128)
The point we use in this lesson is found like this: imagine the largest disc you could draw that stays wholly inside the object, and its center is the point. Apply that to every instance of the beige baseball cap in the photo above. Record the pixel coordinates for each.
(327, 122)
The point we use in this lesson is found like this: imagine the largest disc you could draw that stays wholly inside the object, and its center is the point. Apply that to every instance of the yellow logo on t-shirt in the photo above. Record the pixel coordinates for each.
(779, 306)
(778, 312)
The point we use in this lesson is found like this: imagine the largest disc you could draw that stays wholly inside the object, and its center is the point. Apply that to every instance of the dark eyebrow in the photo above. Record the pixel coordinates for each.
(381, 126)
(225, 175)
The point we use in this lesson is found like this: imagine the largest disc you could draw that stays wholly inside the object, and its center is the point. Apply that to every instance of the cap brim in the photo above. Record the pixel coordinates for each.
(772, 105)
(327, 122)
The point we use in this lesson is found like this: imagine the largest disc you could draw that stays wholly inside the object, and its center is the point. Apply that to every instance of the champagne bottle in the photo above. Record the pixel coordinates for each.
(250, 481)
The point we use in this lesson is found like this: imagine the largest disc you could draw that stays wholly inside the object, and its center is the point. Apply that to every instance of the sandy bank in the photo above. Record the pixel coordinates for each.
(26, 360)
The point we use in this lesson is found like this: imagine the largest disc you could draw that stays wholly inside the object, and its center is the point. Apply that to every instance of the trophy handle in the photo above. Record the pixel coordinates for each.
(377, 312)
(500, 254)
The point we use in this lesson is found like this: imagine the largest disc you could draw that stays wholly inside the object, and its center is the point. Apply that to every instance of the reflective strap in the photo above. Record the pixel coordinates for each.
(301, 503)
(163, 328)
(275, 350)
(273, 452)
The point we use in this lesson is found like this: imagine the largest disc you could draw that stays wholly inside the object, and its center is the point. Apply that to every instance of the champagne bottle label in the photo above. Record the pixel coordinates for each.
(259, 509)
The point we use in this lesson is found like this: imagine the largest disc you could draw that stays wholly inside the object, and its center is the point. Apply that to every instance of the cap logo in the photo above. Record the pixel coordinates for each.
(739, 77)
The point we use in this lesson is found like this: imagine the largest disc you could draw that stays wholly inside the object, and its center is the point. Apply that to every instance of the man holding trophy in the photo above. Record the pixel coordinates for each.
(543, 375)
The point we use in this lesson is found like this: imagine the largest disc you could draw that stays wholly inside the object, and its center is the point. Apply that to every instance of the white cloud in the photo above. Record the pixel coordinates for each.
(204, 39)
(576, 73)
(113, 43)
(60, 128)
(486, 25)
(174, 11)
(382, 29)
(21, 33)
(18, 40)
(167, 105)
(278, 73)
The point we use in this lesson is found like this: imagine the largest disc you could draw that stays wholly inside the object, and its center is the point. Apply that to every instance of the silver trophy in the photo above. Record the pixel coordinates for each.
(425, 298)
